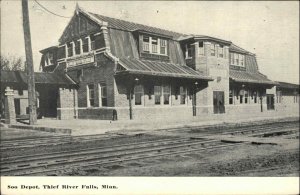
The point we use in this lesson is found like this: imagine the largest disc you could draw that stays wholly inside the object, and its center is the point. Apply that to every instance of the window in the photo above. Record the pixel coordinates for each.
(212, 50)
(230, 97)
(246, 97)
(278, 96)
(70, 49)
(146, 44)
(188, 51)
(241, 57)
(167, 93)
(221, 51)
(232, 58)
(85, 45)
(90, 95)
(50, 57)
(157, 94)
(20, 92)
(182, 95)
(138, 93)
(255, 96)
(103, 94)
(236, 58)
(93, 46)
(77, 47)
(201, 49)
(241, 94)
(163, 46)
(154, 43)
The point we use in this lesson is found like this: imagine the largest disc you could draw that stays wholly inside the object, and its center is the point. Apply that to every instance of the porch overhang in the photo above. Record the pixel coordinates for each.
(159, 74)
(250, 78)
(158, 68)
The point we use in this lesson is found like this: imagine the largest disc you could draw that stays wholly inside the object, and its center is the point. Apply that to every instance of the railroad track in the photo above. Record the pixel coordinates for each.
(60, 140)
(52, 163)
(56, 140)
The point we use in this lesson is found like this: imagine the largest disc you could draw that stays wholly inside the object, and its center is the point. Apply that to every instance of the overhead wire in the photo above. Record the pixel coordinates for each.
(50, 11)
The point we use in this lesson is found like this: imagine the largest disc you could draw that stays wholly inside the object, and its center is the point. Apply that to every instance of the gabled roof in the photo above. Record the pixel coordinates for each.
(158, 68)
(203, 37)
(131, 26)
(20, 77)
(249, 77)
(236, 48)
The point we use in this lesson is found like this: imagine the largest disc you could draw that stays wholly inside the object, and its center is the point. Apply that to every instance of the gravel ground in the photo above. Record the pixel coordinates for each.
(240, 160)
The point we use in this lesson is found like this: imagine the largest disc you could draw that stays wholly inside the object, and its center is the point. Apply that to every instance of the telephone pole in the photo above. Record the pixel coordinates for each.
(29, 62)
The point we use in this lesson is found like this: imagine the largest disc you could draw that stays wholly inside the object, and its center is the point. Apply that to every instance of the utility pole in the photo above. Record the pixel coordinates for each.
(29, 62)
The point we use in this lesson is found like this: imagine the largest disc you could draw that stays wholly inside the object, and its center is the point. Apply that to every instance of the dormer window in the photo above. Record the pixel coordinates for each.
(154, 45)
(188, 51)
(93, 46)
(77, 47)
(146, 43)
(241, 57)
(70, 49)
(163, 47)
(85, 45)
(49, 59)
(237, 59)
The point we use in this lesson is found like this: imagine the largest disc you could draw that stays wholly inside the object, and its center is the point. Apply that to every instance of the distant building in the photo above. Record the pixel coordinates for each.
(123, 70)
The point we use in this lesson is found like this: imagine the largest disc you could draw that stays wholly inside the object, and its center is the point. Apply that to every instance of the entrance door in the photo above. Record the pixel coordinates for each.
(270, 102)
(219, 106)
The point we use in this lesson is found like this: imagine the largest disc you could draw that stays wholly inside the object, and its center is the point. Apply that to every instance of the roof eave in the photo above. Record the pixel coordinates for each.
(163, 75)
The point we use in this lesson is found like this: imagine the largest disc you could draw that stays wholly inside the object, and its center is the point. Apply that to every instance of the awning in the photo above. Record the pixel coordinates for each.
(159, 68)
(20, 77)
(249, 77)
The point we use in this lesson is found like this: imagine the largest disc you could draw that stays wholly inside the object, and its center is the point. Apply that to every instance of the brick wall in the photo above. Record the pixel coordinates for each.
(67, 104)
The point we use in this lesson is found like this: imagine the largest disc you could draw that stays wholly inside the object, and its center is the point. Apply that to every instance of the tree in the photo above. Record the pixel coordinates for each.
(12, 63)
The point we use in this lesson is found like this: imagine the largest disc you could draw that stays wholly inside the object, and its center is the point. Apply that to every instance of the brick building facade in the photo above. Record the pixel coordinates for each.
(123, 70)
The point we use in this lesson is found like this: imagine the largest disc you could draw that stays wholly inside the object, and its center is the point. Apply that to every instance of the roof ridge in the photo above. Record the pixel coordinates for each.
(135, 23)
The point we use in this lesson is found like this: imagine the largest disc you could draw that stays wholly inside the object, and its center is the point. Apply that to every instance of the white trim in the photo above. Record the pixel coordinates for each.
(80, 46)
(88, 96)
(89, 43)
(99, 95)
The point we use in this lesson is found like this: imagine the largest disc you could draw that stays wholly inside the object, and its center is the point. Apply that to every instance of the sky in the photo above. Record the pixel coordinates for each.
(269, 29)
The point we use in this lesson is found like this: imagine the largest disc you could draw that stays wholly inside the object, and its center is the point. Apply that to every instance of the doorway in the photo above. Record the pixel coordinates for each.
(219, 106)
(17, 107)
(270, 102)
